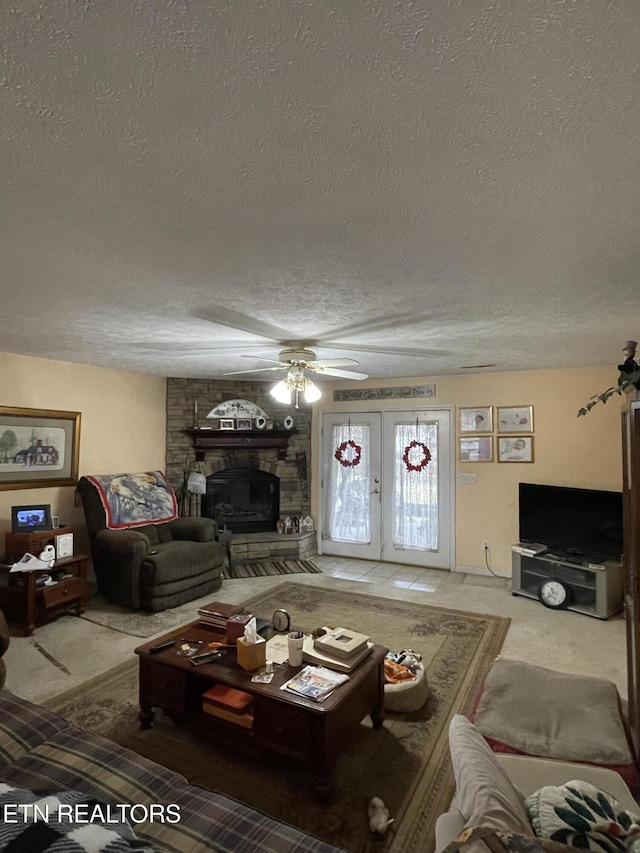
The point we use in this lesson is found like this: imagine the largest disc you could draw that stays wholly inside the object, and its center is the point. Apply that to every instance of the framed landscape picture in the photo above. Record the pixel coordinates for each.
(38, 448)
(475, 420)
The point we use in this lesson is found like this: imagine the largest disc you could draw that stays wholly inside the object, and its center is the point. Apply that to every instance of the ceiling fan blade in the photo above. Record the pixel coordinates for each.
(240, 322)
(418, 353)
(389, 321)
(262, 358)
(256, 370)
(343, 374)
(334, 362)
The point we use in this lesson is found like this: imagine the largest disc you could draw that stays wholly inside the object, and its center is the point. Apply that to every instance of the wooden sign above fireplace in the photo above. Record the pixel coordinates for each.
(209, 439)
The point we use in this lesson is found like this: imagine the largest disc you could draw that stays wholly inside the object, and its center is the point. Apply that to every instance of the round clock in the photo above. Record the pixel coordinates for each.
(281, 620)
(288, 422)
(554, 594)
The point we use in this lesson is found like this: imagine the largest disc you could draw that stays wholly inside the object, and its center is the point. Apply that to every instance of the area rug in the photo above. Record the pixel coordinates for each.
(406, 763)
(138, 623)
(266, 568)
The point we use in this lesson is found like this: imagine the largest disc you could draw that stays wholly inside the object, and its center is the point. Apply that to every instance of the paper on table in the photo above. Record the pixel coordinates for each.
(29, 563)
(278, 648)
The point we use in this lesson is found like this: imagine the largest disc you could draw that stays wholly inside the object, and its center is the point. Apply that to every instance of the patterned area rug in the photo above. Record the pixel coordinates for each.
(137, 623)
(272, 567)
(406, 763)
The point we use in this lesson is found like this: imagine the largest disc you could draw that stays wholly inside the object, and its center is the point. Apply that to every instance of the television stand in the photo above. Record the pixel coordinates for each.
(595, 589)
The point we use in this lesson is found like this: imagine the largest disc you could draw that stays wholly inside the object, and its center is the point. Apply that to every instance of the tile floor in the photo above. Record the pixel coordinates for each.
(69, 650)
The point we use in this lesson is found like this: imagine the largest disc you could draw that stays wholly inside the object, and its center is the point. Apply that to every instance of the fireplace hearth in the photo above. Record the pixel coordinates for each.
(245, 500)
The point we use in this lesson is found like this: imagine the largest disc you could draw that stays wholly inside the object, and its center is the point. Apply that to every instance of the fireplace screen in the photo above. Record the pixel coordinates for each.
(246, 500)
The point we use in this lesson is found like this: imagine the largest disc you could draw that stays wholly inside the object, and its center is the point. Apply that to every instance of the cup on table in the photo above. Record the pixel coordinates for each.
(295, 640)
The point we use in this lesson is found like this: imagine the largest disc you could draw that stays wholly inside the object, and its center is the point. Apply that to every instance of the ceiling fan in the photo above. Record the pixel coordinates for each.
(298, 356)
(295, 359)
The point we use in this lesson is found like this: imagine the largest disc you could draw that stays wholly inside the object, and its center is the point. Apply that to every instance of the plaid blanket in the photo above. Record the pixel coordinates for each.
(65, 822)
(39, 751)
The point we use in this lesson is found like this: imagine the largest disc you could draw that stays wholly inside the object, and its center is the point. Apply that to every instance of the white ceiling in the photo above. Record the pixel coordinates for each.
(456, 178)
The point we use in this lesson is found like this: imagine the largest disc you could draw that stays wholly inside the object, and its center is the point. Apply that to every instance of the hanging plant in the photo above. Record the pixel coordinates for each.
(628, 379)
(408, 453)
(343, 459)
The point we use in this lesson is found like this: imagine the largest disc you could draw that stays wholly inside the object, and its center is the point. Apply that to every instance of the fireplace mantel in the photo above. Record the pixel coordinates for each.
(210, 439)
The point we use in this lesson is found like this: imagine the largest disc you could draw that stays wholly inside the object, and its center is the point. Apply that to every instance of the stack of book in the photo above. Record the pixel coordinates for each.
(338, 648)
(217, 613)
(228, 703)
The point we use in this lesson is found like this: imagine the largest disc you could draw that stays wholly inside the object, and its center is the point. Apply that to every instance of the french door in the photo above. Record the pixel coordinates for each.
(386, 486)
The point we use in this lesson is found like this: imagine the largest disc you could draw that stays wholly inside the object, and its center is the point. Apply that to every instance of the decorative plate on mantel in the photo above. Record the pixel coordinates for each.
(237, 409)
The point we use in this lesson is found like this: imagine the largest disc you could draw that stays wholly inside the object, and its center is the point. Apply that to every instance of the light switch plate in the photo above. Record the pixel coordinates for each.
(466, 478)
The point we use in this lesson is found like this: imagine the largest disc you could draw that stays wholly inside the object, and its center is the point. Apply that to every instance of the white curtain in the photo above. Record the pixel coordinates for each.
(415, 493)
(347, 510)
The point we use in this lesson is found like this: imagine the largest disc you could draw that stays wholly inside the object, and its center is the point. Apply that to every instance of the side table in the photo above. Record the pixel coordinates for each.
(21, 598)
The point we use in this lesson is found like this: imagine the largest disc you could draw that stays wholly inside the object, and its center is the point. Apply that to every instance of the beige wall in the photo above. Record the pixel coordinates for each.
(124, 428)
(569, 451)
(123, 424)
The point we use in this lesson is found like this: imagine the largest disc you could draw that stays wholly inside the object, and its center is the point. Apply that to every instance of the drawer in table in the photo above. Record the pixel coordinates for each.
(69, 590)
(283, 729)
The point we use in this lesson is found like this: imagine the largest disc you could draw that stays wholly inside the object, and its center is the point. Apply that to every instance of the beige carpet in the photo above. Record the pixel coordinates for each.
(406, 763)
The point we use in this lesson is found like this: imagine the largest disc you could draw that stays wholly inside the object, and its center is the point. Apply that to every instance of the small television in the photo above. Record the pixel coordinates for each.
(572, 521)
(26, 519)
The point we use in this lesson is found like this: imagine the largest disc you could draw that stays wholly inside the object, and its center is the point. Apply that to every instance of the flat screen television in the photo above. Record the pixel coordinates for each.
(572, 521)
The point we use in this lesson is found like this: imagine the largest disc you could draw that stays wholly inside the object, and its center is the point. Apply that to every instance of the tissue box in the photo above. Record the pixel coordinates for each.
(252, 655)
(235, 626)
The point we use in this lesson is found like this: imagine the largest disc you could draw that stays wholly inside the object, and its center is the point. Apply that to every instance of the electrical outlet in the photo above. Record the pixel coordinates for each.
(485, 545)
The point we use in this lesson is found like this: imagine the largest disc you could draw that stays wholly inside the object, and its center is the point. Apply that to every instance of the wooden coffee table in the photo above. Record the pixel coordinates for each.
(284, 723)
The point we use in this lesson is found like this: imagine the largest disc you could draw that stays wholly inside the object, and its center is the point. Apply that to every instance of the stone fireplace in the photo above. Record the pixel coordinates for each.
(283, 456)
(245, 500)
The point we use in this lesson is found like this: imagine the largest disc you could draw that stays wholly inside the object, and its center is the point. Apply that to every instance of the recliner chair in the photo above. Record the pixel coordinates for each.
(144, 555)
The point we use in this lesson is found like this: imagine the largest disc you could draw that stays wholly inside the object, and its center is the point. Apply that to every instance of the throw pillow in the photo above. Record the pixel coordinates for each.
(485, 795)
(32, 821)
(582, 815)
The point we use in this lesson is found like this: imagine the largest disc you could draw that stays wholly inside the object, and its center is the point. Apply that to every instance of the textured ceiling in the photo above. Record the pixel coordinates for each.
(456, 179)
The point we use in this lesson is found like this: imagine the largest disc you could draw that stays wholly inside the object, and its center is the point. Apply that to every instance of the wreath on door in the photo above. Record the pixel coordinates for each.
(409, 453)
(344, 456)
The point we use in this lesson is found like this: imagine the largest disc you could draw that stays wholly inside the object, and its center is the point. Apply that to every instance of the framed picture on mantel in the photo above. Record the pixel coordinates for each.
(38, 448)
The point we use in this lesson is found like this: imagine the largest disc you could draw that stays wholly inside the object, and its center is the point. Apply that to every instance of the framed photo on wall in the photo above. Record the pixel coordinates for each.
(515, 418)
(38, 448)
(515, 448)
(479, 449)
(476, 420)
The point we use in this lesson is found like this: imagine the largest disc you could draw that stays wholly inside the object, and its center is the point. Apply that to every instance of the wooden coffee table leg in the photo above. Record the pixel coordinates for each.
(324, 784)
(377, 717)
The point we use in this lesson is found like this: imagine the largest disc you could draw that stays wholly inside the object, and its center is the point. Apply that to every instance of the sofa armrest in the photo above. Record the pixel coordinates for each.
(197, 529)
(123, 542)
(117, 561)
(529, 774)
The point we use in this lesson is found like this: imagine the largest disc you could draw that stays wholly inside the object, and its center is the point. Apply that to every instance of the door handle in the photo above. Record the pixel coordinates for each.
(375, 492)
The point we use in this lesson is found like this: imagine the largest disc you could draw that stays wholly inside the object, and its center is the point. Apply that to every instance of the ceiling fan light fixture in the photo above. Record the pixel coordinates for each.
(311, 392)
(281, 392)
